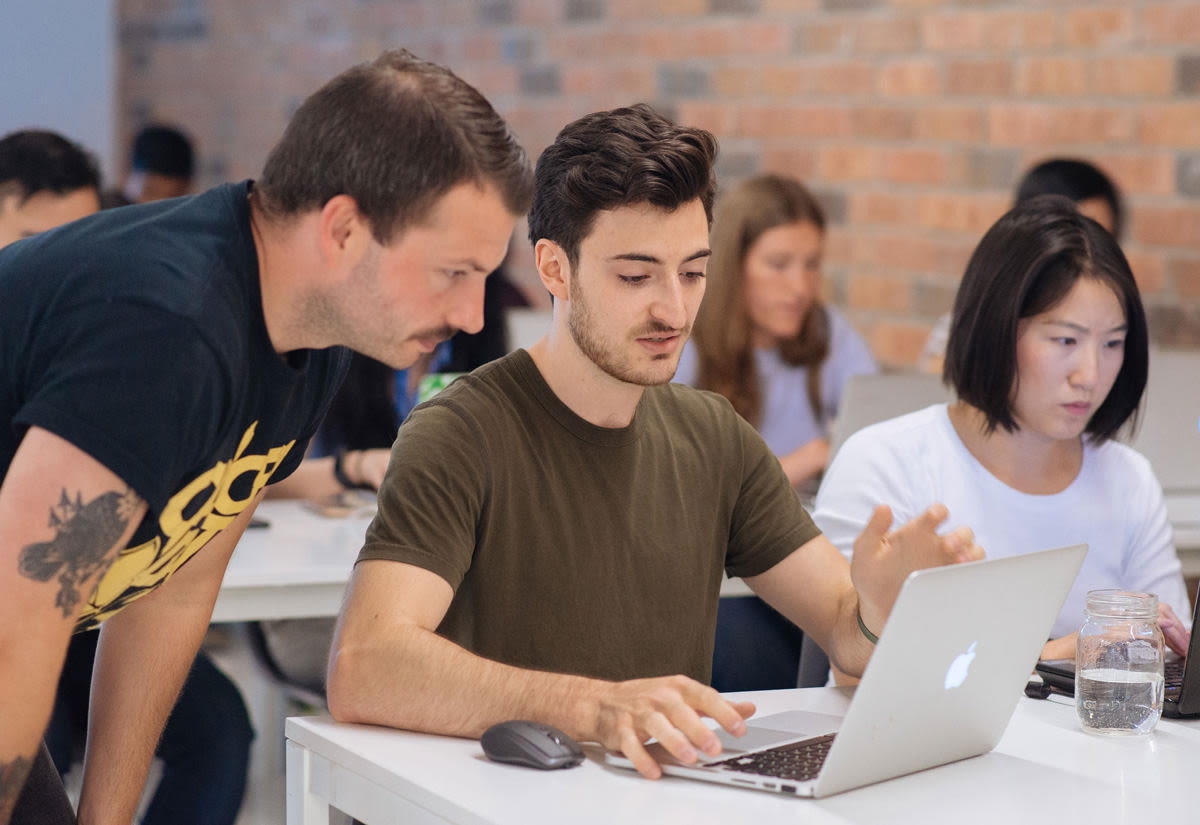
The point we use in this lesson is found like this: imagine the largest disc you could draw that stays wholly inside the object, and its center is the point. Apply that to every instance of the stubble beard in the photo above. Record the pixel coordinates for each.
(606, 357)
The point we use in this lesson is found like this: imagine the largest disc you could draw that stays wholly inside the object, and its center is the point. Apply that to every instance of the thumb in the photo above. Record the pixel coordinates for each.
(881, 521)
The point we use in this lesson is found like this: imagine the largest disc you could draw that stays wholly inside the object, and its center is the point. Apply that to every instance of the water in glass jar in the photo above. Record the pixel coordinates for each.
(1118, 701)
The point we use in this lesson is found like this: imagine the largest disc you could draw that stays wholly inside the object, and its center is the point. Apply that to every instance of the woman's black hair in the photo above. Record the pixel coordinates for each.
(1026, 263)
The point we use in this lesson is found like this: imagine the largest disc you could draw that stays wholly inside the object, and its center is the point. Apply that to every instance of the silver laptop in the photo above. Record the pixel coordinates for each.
(941, 685)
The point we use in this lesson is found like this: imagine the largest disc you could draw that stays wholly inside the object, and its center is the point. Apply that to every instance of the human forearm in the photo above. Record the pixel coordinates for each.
(134, 686)
(388, 667)
(144, 655)
(414, 679)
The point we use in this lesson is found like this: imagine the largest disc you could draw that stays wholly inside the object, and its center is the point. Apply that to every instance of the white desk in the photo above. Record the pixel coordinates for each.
(297, 567)
(1044, 762)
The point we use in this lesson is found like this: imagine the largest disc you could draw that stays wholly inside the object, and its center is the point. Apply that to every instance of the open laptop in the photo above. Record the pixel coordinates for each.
(941, 685)
(1181, 682)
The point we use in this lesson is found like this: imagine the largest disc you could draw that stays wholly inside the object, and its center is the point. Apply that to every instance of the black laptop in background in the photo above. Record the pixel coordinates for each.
(1181, 677)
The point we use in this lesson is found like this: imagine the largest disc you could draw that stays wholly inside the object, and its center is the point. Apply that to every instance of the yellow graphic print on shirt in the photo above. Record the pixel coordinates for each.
(195, 514)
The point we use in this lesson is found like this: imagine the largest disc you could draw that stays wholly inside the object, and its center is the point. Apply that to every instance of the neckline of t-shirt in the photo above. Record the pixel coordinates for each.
(532, 380)
(998, 486)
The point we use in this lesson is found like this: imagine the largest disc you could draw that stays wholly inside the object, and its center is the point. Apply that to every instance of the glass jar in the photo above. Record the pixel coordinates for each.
(1119, 663)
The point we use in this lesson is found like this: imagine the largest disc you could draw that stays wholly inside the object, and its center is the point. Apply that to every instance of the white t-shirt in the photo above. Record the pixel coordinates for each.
(1115, 505)
(787, 416)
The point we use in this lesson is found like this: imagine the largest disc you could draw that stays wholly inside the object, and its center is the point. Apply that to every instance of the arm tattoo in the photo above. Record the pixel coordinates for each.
(84, 533)
(12, 780)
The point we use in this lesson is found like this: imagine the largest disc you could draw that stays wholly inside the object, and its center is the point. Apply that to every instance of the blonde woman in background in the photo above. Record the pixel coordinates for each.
(765, 341)
(763, 338)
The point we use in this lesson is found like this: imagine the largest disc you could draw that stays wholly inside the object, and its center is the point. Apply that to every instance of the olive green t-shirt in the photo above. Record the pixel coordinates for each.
(576, 548)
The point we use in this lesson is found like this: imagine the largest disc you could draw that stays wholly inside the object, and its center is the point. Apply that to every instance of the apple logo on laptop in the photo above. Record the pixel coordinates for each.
(956, 674)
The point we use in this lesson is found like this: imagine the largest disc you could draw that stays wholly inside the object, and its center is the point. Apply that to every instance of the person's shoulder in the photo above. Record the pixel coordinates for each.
(1116, 459)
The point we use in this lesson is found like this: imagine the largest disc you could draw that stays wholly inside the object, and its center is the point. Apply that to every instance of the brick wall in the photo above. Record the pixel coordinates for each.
(912, 118)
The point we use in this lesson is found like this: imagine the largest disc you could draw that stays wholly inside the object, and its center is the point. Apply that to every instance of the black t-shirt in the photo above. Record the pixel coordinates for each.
(138, 336)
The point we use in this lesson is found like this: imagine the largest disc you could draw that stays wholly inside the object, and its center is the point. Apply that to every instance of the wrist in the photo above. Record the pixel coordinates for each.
(341, 465)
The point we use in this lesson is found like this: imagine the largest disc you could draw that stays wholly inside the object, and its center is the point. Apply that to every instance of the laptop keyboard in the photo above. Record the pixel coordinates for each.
(799, 761)
(1173, 676)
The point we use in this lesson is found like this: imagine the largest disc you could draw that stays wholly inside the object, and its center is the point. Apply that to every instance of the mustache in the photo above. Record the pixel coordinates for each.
(656, 328)
(438, 333)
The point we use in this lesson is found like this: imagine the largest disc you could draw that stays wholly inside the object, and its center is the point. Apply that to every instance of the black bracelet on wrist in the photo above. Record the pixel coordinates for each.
(339, 473)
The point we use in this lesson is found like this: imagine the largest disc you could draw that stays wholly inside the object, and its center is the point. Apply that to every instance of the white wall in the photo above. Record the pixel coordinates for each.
(58, 71)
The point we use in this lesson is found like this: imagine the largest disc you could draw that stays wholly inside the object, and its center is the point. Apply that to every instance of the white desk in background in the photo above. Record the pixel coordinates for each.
(296, 567)
(1044, 769)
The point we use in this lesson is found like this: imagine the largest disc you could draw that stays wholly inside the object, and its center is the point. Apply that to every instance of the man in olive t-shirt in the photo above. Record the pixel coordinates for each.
(553, 528)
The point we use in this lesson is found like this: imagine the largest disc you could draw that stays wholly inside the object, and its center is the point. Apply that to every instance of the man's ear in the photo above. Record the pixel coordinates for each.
(345, 233)
(553, 268)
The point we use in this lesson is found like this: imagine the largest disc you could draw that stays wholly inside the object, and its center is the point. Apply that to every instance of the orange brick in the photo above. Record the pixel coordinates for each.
(825, 36)
(1052, 76)
(907, 252)
(971, 31)
(789, 160)
(973, 214)
(787, 81)
(839, 248)
(1171, 124)
(891, 34)
(1167, 226)
(845, 78)
(1133, 75)
(897, 343)
(918, 77)
(877, 208)
(793, 121)
(715, 117)
(887, 123)
(924, 166)
(1146, 172)
(1027, 124)
(960, 124)
(842, 163)
(1185, 274)
(1094, 27)
(735, 81)
(979, 77)
(1170, 23)
(1148, 271)
(536, 12)
(879, 292)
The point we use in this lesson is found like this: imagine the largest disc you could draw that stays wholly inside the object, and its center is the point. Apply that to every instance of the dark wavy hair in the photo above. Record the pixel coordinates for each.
(619, 157)
(35, 160)
(395, 135)
(1026, 264)
(1074, 179)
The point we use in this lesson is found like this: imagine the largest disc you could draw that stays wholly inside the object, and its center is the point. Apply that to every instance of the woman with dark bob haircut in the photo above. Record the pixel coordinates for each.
(1048, 359)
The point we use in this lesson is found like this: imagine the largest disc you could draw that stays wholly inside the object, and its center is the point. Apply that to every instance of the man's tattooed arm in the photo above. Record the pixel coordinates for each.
(12, 780)
(84, 535)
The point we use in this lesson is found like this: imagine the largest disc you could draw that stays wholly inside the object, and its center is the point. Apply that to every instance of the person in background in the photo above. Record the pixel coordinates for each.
(553, 528)
(161, 165)
(1048, 359)
(45, 182)
(765, 341)
(164, 362)
(1094, 195)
